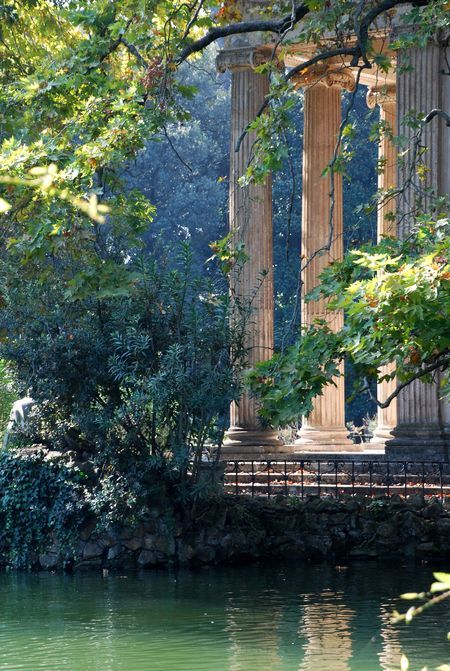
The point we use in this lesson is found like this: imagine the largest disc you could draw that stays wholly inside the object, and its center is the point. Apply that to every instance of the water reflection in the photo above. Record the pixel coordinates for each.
(391, 652)
(261, 618)
(253, 640)
(326, 624)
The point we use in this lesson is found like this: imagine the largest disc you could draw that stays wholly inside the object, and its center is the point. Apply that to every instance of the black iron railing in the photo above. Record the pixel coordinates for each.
(337, 477)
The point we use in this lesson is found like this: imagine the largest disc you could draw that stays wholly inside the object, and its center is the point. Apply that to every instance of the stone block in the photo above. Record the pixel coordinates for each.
(146, 558)
(88, 564)
(114, 552)
(443, 527)
(149, 541)
(165, 545)
(361, 551)
(92, 550)
(87, 530)
(427, 548)
(387, 530)
(49, 560)
(206, 554)
(185, 553)
(433, 510)
(133, 543)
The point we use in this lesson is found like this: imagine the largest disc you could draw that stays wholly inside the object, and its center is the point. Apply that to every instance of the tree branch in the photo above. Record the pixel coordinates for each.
(358, 52)
(440, 113)
(175, 151)
(132, 49)
(269, 26)
(443, 362)
(193, 20)
(289, 21)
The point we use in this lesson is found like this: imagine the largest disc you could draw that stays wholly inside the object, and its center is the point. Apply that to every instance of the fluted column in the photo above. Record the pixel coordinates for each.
(423, 426)
(324, 428)
(250, 221)
(384, 96)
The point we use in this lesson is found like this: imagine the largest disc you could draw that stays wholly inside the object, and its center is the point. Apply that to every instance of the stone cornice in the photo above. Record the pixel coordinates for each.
(381, 95)
(326, 75)
(242, 58)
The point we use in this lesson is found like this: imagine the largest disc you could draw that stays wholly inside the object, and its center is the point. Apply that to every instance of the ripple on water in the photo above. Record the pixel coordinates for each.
(271, 618)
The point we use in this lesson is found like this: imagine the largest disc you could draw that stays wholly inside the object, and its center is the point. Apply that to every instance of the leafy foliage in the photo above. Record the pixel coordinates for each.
(185, 171)
(439, 591)
(125, 354)
(40, 501)
(7, 396)
(117, 376)
(396, 300)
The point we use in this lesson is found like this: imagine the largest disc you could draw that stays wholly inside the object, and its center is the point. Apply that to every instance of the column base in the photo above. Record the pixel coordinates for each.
(324, 439)
(417, 442)
(382, 434)
(250, 443)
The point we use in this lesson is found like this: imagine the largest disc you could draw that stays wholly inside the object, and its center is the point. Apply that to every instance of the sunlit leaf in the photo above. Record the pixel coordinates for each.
(4, 205)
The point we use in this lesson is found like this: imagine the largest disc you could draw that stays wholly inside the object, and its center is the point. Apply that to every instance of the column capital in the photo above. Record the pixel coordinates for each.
(242, 58)
(327, 75)
(381, 95)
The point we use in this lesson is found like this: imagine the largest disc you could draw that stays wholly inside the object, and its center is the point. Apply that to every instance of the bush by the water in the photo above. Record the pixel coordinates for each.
(47, 498)
(120, 374)
(40, 500)
(132, 361)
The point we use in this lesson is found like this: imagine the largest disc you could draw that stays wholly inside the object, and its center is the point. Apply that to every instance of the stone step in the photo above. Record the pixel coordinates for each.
(259, 489)
(295, 478)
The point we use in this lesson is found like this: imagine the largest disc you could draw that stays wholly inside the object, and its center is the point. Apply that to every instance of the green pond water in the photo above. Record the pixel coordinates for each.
(274, 617)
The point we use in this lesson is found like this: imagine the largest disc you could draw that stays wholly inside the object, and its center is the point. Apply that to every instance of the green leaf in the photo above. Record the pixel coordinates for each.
(4, 206)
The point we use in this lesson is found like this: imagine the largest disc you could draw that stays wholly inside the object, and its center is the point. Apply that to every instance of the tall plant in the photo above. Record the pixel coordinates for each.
(125, 376)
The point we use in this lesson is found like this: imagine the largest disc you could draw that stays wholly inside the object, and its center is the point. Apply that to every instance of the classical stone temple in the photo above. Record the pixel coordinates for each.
(417, 423)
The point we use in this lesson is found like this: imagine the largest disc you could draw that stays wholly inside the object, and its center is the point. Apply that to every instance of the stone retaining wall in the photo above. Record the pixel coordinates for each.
(228, 529)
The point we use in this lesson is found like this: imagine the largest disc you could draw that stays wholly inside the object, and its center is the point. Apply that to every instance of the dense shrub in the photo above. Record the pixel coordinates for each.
(46, 499)
(40, 500)
(126, 376)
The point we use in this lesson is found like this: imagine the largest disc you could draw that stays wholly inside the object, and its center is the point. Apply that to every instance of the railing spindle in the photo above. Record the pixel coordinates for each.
(302, 467)
(423, 480)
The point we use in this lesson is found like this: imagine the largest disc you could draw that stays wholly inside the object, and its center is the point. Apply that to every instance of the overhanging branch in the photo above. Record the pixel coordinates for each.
(269, 26)
(441, 363)
(438, 113)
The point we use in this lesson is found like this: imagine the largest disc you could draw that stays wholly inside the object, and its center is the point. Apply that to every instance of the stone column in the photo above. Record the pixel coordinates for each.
(384, 96)
(250, 221)
(423, 425)
(324, 428)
